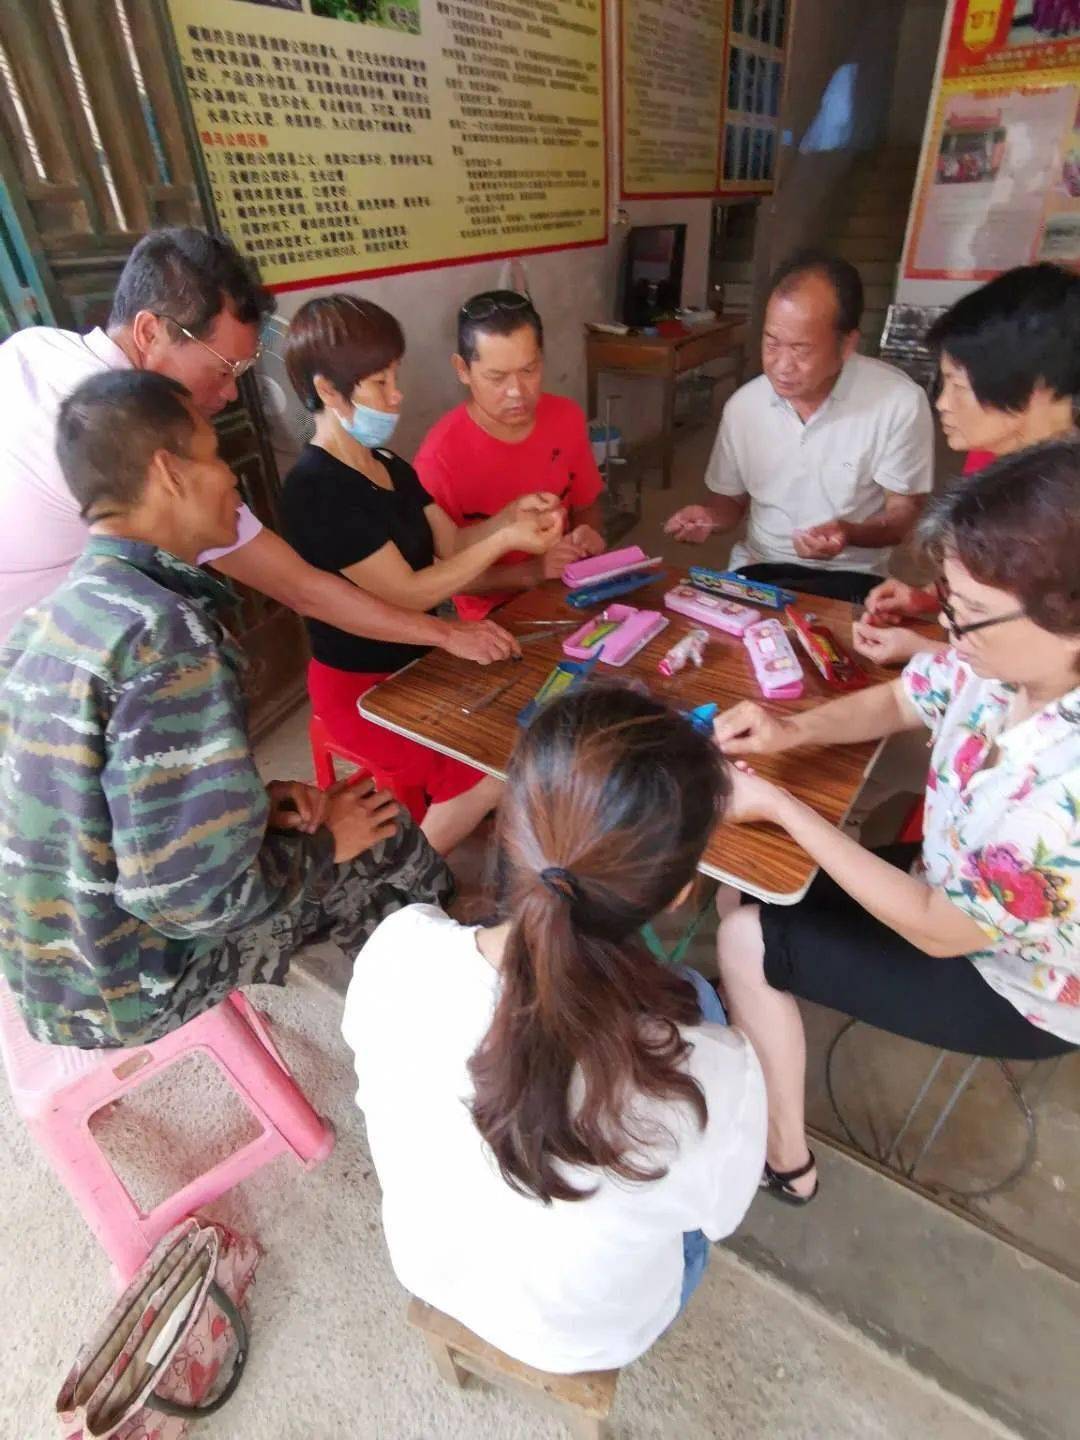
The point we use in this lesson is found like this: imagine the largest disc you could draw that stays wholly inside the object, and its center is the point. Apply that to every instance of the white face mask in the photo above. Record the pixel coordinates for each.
(370, 427)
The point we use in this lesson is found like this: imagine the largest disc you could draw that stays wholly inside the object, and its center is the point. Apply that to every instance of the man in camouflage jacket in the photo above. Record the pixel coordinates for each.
(146, 869)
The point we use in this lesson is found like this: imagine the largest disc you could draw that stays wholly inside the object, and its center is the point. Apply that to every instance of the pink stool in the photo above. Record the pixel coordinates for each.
(57, 1088)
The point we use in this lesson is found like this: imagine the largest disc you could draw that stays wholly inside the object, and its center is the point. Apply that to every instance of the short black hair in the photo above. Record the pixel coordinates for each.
(841, 274)
(507, 311)
(1016, 526)
(107, 432)
(1019, 331)
(189, 276)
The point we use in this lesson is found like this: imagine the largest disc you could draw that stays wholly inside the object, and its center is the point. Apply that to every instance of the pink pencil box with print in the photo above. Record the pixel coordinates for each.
(634, 629)
(608, 566)
(715, 610)
(776, 666)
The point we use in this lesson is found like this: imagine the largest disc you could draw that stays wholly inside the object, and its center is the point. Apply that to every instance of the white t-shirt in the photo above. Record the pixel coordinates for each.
(874, 433)
(42, 533)
(575, 1285)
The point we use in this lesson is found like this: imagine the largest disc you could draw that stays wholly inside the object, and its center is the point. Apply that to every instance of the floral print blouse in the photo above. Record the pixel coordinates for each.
(1002, 840)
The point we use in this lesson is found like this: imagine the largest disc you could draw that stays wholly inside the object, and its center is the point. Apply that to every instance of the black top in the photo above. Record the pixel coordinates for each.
(334, 517)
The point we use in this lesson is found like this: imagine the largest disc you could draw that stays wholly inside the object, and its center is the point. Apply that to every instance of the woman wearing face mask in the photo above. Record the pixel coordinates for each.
(351, 505)
(1010, 374)
(972, 942)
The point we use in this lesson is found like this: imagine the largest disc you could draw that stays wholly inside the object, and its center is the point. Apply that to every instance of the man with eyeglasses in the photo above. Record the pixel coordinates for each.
(188, 306)
(510, 439)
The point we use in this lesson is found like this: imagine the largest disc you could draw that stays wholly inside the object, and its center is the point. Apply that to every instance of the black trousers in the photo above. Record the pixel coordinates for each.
(828, 949)
(850, 585)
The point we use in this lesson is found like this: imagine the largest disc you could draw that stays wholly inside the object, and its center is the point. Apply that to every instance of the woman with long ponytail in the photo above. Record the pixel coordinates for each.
(560, 1123)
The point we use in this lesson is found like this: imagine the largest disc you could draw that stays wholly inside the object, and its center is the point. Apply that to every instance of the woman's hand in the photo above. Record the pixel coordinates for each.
(749, 729)
(753, 798)
(296, 806)
(539, 502)
(892, 600)
(534, 531)
(887, 647)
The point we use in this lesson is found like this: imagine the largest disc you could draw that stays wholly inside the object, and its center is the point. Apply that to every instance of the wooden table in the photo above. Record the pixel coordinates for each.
(424, 702)
(666, 358)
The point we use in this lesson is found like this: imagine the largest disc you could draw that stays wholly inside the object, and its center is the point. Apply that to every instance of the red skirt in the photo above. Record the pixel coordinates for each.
(405, 764)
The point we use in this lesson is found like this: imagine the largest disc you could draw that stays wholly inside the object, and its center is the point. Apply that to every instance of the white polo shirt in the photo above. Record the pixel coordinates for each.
(874, 433)
(42, 533)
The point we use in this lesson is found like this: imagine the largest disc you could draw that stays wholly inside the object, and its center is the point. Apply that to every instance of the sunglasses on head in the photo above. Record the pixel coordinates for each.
(956, 629)
(482, 307)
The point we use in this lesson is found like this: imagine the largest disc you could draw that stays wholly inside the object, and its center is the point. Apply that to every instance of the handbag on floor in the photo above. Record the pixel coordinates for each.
(167, 1342)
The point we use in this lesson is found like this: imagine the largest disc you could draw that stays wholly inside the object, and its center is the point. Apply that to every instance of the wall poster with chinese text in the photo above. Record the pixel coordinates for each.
(999, 177)
(348, 138)
(672, 102)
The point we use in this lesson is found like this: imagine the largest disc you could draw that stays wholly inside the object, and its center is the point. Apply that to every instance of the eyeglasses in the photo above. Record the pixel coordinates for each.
(236, 368)
(482, 307)
(957, 630)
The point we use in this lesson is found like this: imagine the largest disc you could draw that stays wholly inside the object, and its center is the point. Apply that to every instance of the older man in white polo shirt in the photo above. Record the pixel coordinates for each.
(828, 454)
(187, 305)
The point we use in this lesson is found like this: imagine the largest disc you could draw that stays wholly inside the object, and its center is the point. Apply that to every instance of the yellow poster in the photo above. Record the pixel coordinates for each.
(672, 68)
(349, 138)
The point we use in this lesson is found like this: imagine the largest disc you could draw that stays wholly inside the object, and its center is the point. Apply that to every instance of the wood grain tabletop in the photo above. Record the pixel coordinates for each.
(425, 702)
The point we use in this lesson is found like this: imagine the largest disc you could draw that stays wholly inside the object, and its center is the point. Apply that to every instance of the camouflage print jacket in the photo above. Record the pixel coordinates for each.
(133, 822)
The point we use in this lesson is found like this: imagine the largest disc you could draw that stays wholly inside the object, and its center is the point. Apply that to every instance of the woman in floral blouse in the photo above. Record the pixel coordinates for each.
(974, 944)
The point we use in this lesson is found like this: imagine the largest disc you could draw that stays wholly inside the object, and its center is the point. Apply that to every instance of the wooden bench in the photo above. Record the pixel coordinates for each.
(583, 1401)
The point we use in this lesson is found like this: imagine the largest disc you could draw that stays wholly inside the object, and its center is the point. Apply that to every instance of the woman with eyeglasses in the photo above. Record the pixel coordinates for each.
(973, 942)
(1010, 375)
(354, 507)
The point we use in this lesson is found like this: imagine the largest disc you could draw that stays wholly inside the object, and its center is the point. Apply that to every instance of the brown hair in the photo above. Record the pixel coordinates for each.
(610, 800)
(344, 340)
(1016, 526)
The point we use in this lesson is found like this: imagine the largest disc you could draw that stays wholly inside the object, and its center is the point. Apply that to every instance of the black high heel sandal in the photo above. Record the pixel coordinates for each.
(778, 1182)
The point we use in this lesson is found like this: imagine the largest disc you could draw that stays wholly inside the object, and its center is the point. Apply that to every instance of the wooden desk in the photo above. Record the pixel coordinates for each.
(667, 359)
(424, 702)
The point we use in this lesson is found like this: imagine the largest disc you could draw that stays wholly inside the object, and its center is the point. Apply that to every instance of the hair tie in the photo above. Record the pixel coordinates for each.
(563, 883)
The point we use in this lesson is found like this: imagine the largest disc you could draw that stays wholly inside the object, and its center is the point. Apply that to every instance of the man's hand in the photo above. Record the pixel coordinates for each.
(749, 729)
(887, 647)
(692, 525)
(820, 542)
(892, 600)
(296, 806)
(588, 540)
(359, 816)
(481, 641)
(558, 557)
(753, 798)
(534, 531)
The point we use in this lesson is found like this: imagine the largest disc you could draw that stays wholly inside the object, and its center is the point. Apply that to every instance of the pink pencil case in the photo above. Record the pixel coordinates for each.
(608, 566)
(636, 629)
(776, 666)
(715, 610)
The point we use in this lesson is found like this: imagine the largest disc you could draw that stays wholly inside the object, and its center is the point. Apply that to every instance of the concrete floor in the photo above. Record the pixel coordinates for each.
(331, 1357)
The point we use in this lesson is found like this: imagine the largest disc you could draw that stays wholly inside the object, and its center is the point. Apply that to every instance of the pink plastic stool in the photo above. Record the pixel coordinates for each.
(57, 1088)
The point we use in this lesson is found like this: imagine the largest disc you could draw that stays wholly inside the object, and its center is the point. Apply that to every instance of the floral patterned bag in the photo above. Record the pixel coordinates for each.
(161, 1351)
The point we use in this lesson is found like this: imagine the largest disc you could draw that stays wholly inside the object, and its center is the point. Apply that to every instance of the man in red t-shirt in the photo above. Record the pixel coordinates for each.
(510, 439)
